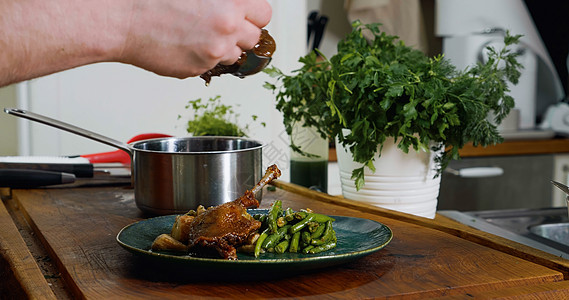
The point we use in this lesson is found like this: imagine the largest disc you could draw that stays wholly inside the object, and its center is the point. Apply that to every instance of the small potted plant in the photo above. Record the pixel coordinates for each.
(213, 118)
(380, 89)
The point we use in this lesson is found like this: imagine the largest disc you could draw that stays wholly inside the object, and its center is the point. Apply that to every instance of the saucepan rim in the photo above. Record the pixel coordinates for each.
(256, 144)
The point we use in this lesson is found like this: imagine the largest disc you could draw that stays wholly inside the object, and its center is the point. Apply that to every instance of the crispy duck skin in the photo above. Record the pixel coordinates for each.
(227, 226)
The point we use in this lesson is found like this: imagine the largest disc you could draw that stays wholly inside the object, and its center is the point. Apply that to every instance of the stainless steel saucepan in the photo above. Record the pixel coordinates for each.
(174, 175)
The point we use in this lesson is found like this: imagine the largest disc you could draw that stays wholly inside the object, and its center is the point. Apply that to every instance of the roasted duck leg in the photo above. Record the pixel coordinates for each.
(228, 225)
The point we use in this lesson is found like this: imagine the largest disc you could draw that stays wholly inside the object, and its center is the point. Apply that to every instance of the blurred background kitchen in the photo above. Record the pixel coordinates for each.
(121, 101)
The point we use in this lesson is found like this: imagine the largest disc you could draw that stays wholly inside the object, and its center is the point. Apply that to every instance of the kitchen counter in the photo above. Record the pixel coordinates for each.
(59, 243)
(509, 147)
(518, 147)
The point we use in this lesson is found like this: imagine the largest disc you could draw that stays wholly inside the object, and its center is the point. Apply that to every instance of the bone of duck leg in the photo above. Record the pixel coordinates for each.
(272, 173)
(248, 199)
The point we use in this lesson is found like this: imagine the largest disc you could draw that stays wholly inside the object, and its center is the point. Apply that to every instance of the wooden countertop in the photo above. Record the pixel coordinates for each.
(518, 147)
(59, 243)
(512, 147)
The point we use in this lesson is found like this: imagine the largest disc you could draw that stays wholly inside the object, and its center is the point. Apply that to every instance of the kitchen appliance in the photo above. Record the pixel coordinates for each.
(468, 27)
(174, 175)
(557, 119)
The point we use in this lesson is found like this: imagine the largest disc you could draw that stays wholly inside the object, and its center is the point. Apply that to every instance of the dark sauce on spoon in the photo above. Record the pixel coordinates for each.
(265, 47)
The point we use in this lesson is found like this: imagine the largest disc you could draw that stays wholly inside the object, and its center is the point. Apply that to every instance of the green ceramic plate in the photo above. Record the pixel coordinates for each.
(356, 238)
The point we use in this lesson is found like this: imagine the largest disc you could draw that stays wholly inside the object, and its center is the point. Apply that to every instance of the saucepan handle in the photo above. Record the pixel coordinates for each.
(69, 128)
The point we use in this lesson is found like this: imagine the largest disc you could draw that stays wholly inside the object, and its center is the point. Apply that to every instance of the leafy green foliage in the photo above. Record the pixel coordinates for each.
(382, 88)
(213, 118)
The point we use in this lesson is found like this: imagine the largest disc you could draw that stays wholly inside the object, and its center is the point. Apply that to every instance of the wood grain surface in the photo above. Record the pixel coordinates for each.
(443, 224)
(19, 271)
(78, 228)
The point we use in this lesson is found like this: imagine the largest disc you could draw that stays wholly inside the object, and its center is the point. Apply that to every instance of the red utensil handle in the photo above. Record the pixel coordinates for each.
(120, 156)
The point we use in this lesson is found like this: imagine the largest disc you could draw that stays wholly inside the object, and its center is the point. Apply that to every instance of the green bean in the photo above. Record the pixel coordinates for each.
(322, 248)
(281, 247)
(300, 215)
(294, 242)
(326, 235)
(307, 249)
(274, 238)
(313, 226)
(319, 231)
(306, 237)
(286, 230)
(260, 218)
(263, 218)
(289, 214)
(273, 215)
(301, 224)
(281, 221)
(320, 218)
(259, 242)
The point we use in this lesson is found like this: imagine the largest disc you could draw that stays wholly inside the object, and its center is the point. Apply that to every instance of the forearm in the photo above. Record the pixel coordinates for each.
(178, 38)
(42, 37)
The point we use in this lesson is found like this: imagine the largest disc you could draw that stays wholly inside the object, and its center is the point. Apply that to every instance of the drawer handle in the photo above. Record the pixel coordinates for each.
(477, 172)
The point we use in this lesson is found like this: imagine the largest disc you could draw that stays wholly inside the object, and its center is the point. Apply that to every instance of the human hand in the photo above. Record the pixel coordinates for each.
(183, 38)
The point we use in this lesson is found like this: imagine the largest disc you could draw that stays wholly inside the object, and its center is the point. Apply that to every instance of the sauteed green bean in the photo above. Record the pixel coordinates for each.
(284, 230)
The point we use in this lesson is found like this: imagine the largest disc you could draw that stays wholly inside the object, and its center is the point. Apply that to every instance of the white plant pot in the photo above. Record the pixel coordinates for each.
(402, 181)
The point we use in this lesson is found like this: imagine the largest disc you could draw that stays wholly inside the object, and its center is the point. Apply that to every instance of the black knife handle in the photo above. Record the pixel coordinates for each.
(21, 178)
(79, 170)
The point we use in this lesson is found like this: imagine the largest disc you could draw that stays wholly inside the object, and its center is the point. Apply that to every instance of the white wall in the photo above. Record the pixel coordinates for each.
(8, 136)
(121, 101)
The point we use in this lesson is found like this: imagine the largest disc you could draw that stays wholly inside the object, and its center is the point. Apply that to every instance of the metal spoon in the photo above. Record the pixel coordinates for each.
(253, 64)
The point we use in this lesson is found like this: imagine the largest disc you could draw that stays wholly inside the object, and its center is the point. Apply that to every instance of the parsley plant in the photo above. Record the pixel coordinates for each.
(213, 118)
(382, 88)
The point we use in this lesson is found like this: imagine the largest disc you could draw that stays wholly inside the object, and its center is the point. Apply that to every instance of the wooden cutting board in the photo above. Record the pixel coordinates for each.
(426, 258)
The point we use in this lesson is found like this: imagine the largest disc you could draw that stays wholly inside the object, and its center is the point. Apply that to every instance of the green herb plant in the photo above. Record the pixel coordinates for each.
(381, 88)
(214, 118)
